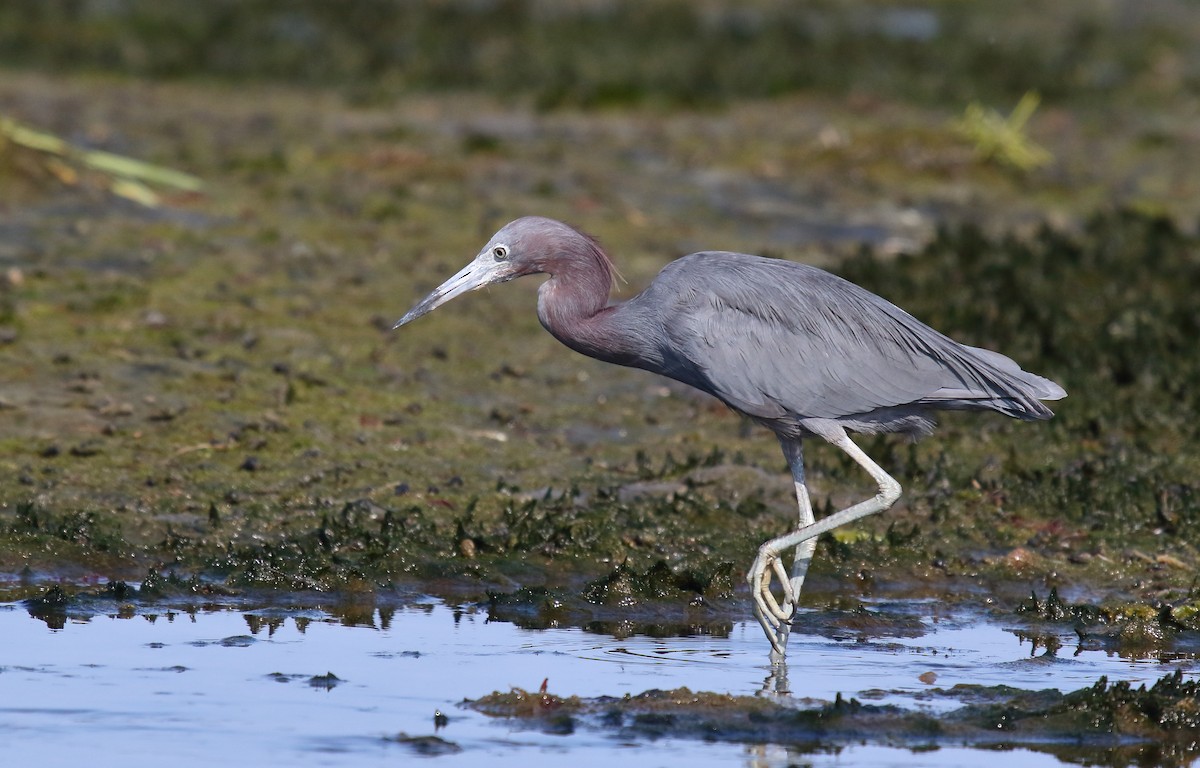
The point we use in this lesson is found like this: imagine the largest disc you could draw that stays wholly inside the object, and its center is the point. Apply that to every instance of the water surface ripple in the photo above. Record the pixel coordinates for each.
(188, 688)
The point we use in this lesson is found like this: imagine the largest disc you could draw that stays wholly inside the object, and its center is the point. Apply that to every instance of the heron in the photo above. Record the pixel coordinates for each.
(792, 347)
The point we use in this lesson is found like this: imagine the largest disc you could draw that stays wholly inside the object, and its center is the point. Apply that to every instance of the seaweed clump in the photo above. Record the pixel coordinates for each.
(1113, 723)
(549, 712)
(1132, 629)
(626, 586)
(1109, 724)
(658, 601)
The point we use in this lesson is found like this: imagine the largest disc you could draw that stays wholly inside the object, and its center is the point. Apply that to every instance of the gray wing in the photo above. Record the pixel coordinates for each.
(777, 339)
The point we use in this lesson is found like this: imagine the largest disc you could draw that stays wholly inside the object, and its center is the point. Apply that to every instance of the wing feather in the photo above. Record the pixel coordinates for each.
(778, 339)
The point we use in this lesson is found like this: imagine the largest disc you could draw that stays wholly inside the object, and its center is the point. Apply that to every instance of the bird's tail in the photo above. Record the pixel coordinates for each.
(1006, 388)
(1039, 386)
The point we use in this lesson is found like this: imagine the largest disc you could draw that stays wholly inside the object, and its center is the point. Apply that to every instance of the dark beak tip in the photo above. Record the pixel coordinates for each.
(408, 318)
(420, 310)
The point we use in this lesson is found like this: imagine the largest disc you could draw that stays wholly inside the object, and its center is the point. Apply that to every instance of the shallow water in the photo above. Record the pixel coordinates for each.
(188, 688)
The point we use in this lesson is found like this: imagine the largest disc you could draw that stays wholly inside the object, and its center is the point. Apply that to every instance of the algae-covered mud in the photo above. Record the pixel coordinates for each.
(201, 394)
(1156, 723)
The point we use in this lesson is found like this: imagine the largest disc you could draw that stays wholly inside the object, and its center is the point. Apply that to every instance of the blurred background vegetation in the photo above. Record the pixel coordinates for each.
(612, 52)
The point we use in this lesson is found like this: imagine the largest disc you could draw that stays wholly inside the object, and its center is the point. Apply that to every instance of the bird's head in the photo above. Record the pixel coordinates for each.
(522, 247)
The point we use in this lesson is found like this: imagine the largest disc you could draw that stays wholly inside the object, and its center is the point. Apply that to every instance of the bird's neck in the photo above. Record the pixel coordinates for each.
(573, 307)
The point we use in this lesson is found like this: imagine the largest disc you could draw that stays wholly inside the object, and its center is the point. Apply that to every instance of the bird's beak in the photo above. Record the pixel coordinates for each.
(483, 271)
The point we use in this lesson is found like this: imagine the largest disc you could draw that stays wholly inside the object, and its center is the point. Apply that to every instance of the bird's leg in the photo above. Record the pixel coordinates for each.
(770, 614)
(794, 454)
(775, 618)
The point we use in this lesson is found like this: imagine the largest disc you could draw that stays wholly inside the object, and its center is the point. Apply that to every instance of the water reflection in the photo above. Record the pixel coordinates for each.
(141, 680)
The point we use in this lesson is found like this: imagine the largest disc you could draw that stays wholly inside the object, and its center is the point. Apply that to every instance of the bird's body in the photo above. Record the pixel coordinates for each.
(793, 347)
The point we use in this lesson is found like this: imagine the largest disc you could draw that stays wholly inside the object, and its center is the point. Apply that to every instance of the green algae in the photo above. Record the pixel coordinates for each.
(286, 496)
(1102, 724)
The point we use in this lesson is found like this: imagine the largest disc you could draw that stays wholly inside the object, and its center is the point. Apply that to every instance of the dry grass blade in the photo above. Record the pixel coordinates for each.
(124, 176)
(130, 169)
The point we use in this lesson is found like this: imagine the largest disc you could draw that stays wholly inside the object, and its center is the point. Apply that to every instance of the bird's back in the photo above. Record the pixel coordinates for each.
(791, 346)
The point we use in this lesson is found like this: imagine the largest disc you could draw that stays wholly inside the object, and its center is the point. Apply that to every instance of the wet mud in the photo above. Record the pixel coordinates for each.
(1105, 724)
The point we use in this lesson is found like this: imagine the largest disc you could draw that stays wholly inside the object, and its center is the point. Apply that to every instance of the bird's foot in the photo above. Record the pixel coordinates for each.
(766, 565)
(774, 618)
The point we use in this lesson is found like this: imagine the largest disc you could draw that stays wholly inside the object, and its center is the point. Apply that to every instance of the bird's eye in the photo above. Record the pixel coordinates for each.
(500, 252)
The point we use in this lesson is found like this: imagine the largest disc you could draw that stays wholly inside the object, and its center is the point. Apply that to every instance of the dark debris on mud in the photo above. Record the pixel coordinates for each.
(1132, 629)
(1102, 724)
(657, 602)
(57, 603)
(425, 746)
(264, 611)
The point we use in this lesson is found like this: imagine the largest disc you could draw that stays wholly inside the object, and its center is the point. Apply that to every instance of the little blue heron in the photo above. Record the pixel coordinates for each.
(794, 348)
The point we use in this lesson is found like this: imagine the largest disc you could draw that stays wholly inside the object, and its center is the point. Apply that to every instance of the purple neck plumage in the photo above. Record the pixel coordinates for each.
(573, 303)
